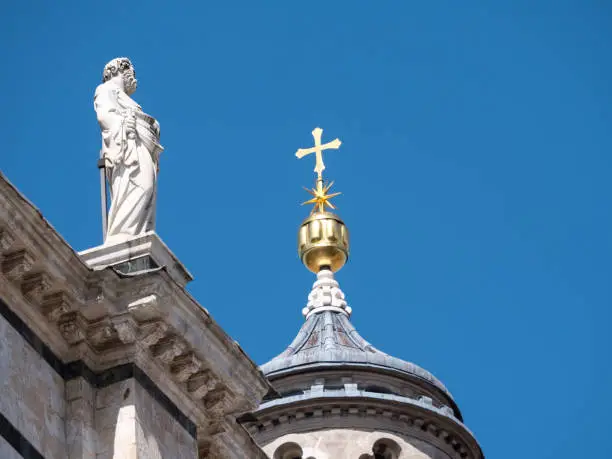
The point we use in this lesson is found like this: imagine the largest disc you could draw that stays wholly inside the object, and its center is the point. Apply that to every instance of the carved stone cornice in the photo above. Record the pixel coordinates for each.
(156, 340)
(418, 418)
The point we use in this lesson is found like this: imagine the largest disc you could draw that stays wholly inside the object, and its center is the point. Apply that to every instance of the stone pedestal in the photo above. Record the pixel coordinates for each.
(137, 255)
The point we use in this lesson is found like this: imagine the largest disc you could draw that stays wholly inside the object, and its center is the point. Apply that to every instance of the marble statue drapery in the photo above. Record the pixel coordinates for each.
(131, 160)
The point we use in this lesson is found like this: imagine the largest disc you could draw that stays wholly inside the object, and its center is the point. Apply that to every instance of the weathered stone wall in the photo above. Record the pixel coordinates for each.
(115, 421)
(73, 420)
(80, 429)
(130, 423)
(353, 444)
(7, 452)
(159, 436)
(31, 394)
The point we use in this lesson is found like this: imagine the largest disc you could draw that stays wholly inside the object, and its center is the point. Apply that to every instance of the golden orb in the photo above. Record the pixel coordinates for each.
(323, 241)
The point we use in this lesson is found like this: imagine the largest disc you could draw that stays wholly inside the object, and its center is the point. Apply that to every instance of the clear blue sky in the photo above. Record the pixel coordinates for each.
(475, 167)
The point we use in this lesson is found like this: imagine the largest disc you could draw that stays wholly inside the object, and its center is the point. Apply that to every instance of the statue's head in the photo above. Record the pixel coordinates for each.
(122, 67)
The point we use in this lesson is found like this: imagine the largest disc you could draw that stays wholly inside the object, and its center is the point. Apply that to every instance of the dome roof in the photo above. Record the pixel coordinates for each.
(329, 340)
(331, 378)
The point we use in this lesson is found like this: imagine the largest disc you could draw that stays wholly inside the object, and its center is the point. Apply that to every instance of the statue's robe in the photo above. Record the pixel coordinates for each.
(132, 163)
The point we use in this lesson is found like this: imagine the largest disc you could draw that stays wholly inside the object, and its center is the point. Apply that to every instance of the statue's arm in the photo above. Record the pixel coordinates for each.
(111, 122)
(105, 104)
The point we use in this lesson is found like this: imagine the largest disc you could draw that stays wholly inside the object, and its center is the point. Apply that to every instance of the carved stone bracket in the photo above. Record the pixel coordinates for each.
(168, 348)
(34, 286)
(151, 332)
(101, 333)
(16, 264)
(126, 329)
(201, 384)
(72, 327)
(55, 305)
(186, 365)
(218, 401)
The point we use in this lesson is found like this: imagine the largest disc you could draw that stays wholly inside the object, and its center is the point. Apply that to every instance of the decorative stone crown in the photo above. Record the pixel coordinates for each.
(326, 296)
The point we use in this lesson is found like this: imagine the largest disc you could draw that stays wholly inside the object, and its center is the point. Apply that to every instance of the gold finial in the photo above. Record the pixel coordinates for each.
(320, 197)
(323, 241)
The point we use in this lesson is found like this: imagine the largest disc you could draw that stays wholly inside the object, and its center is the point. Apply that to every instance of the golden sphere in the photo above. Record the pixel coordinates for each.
(323, 241)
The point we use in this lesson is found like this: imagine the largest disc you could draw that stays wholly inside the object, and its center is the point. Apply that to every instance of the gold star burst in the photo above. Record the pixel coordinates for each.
(320, 197)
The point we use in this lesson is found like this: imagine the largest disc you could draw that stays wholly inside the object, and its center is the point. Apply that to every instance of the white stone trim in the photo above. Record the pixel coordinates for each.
(326, 295)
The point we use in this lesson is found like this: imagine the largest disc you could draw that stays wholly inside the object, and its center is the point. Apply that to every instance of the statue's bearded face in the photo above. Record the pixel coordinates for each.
(130, 83)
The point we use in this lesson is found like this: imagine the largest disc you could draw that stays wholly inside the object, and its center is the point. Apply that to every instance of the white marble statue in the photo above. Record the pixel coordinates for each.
(130, 151)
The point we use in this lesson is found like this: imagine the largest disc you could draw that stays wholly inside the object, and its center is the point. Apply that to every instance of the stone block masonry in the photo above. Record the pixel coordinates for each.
(31, 394)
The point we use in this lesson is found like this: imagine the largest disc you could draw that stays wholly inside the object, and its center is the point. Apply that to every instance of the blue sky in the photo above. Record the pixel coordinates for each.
(475, 167)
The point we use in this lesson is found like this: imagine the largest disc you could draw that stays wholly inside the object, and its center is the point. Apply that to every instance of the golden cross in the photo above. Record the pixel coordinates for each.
(320, 197)
(318, 150)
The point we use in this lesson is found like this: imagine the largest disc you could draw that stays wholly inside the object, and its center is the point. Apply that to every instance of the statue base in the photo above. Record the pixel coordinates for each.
(137, 255)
